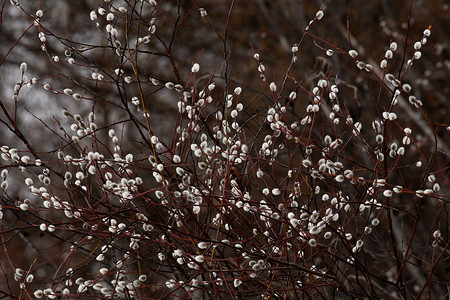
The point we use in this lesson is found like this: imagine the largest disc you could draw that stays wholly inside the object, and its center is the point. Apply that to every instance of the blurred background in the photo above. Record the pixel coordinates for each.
(78, 49)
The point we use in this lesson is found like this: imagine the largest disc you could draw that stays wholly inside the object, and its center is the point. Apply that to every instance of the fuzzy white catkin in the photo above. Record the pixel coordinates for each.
(393, 46)
(196, 209)
(388, 54)
(68, 91)
(273, 87)
(406, 87)
(93, 15)
(203, 12)
(23, 67)
(30, 278)
(38, 293)
(322, 83)
(199, 258)
(237, 282)
(4, 185)
(353, 53)
(195, 68)
(319, 15)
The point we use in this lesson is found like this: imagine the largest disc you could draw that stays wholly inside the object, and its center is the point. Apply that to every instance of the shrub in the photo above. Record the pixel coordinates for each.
(207, 150)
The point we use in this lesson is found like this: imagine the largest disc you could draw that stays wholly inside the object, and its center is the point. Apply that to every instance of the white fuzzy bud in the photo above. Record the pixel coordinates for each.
(353, 53)
(273, 87)
(319, 15)
(23, 67)
(203, 12)
(195, 68)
